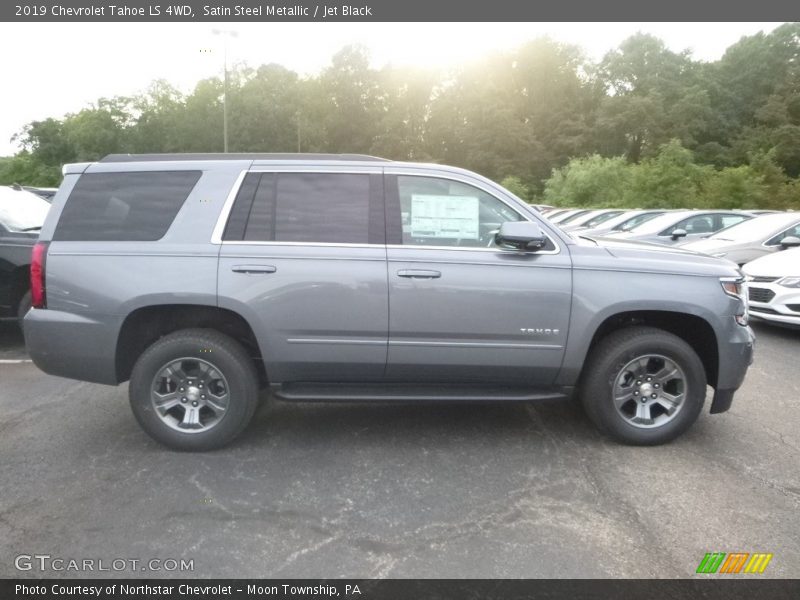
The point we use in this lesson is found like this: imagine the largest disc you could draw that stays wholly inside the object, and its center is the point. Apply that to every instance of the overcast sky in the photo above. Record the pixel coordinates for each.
(50, 69)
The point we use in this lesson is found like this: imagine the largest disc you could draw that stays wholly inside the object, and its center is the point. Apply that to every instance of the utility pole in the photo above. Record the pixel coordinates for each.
(225, 33)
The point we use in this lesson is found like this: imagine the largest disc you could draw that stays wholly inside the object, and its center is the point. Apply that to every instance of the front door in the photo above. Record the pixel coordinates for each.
(462, 309)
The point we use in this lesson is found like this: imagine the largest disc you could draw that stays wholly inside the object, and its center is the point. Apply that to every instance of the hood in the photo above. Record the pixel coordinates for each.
(710, 246)
(647, 257)
(778, 264)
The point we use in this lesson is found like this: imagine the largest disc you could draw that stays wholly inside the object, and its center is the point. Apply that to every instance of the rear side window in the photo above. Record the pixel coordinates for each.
(137, 206)
(339, 208)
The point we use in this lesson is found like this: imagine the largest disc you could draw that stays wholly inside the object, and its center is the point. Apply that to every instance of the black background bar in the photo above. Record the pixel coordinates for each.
(402, 10)
(703, 587)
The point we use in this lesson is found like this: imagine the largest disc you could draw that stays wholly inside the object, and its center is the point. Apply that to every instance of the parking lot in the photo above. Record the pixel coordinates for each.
(400, 490)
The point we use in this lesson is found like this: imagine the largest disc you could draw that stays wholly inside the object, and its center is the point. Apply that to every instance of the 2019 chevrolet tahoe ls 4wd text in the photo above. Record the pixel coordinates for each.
(205, 278)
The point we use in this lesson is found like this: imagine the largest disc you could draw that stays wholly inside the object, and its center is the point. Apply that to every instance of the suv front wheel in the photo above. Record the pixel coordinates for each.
(643, 386)
(194, 389)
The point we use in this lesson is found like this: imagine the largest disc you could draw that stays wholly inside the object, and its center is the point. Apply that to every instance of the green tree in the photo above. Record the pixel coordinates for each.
(351, 89)
(652, 95)
(590, 181)
(405, 97)
(732, 187)
(516, 186)
(264, 111)
(670, 179)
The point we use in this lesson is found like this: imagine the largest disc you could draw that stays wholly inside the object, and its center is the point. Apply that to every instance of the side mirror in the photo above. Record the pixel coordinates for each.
(790, 241)
(520, 235)
(678, 234)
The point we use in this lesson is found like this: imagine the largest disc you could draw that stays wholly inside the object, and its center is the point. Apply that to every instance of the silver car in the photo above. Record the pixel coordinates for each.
(202, 279)
(682, 225)
(752, 239)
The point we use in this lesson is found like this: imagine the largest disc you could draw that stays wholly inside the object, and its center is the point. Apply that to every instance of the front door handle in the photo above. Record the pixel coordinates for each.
(419, 274)
(254, 269)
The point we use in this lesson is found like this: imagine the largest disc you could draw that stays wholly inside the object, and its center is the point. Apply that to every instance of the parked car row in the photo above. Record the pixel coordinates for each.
(749, 239)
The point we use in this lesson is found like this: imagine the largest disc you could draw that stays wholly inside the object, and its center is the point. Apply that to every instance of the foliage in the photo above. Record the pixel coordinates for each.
(591, 181)
(643, 126)
(517, 187)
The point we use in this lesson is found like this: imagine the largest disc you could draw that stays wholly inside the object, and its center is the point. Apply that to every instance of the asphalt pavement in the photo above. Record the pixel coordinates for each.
(396, 490)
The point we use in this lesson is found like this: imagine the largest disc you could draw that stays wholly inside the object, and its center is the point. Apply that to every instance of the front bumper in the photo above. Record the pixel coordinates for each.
(736, 351)
(772, 302)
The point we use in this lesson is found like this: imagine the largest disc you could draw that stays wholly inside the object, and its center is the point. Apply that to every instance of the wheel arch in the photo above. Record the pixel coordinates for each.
(693, 329)
(145, 325)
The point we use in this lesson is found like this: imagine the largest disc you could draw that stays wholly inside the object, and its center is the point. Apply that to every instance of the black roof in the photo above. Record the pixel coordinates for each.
(118, 158)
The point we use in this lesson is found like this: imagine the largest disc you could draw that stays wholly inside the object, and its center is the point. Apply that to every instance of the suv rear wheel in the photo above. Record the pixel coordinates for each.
(194, 389)
(643, 386)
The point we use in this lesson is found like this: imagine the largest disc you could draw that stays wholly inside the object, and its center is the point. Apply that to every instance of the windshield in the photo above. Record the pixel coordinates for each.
(662, 222)
(21, 210)
(629, 222)
(572, 217)
(758, 228)
(563, 215)
(602, 217)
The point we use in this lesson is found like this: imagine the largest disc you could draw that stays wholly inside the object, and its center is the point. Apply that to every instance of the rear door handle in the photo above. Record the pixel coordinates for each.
(419, 274)
(254, 269)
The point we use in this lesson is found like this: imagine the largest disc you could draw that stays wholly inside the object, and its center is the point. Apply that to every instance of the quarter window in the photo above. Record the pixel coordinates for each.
(135, 206)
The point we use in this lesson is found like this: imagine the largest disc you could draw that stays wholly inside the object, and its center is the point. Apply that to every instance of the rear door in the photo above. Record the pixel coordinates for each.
(462, 309)
(303, 259)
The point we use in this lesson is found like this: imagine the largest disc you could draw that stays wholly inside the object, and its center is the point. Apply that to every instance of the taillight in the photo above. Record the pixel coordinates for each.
(38, 258)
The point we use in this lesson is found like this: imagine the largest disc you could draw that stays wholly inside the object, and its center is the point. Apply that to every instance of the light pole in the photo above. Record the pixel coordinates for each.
(225, 33)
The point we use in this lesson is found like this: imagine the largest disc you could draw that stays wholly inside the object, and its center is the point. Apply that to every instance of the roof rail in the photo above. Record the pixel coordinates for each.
(120, 158)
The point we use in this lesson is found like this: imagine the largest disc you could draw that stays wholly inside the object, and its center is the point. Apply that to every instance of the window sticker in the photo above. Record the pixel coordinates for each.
(444, 217)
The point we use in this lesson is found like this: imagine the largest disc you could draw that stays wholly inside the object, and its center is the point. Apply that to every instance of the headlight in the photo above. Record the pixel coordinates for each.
(790, 282)
(736, 287)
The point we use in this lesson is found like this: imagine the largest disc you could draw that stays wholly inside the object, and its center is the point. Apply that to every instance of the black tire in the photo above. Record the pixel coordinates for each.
(23, 307)
(609, 360)
(227, 357)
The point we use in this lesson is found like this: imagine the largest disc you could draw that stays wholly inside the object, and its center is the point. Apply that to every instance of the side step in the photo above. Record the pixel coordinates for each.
(401, 392)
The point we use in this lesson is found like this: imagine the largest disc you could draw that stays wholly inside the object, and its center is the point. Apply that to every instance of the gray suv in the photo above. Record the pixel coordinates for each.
(203, 279)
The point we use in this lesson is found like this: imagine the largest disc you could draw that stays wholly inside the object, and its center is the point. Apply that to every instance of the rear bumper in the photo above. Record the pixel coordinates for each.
(72, 346)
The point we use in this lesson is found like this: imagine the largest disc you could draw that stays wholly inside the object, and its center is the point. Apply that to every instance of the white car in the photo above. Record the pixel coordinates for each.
(774, 287)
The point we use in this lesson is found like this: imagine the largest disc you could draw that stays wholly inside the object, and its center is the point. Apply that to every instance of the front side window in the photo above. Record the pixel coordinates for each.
(697, 224)
(305, 207)
(442, 212)
(791, 232)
